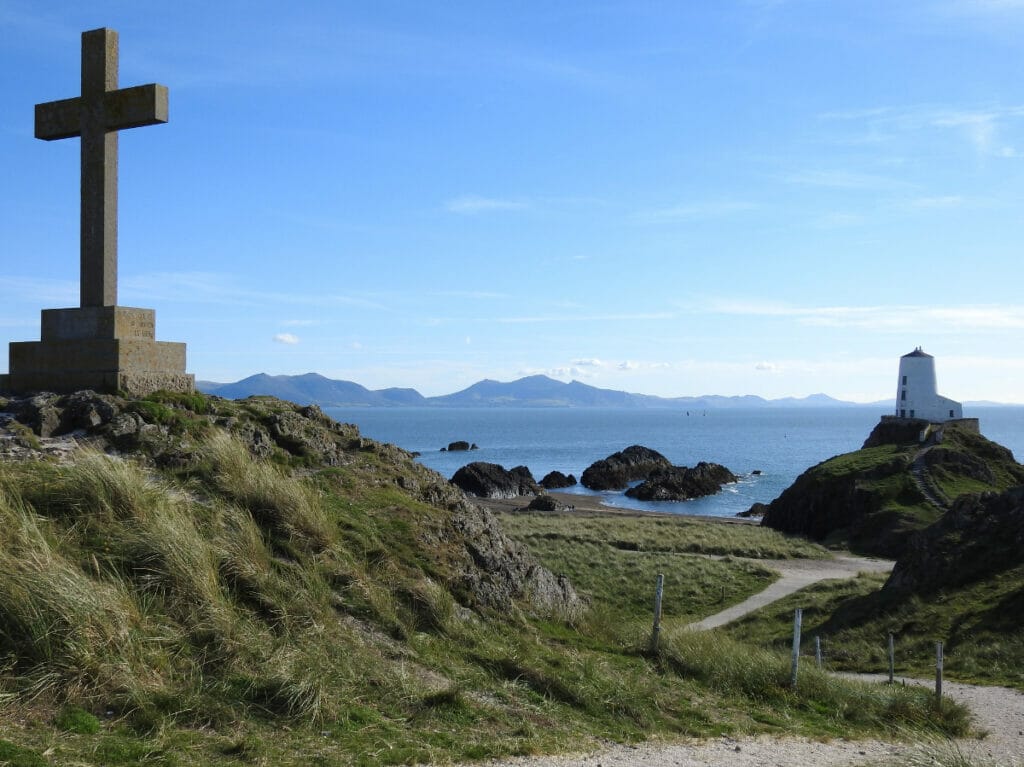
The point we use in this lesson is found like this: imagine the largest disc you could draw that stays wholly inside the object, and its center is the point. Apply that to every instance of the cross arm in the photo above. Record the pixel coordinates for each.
(58, 119)
(125, 108)
(135, 107)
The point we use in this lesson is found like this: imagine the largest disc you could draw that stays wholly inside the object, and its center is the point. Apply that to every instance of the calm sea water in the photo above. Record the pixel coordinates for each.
(780, 443)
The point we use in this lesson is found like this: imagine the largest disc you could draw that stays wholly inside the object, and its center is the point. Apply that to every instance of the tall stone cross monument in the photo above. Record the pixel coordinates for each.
(100, 345)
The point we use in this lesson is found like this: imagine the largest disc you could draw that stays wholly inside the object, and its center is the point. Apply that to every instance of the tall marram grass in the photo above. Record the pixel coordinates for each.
(764, 676)
(287, 508)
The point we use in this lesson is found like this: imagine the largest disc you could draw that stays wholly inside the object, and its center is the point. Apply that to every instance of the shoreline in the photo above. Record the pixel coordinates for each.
(590, 505)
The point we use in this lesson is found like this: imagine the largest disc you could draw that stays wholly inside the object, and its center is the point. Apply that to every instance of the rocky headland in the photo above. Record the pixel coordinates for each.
(876, 499)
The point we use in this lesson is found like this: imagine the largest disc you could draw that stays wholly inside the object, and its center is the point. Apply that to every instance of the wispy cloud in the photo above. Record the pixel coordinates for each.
(934, 203)
(211, 287)
(286, 338)
(473, 204)
(845, 179)
(37, 290)
(898, 318)
(644, 316)
(693, 211)
(982, 127)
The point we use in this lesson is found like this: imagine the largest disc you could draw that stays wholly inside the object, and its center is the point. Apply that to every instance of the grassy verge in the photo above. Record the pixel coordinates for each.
(235, 613)
(979, 625)
(677, 535)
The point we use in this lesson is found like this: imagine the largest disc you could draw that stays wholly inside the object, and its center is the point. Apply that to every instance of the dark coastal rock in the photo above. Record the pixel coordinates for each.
(680, 483)
(459, 446)
(489, 480)
(545, 502)
(755, 511)
(619, 469)
(553, 480)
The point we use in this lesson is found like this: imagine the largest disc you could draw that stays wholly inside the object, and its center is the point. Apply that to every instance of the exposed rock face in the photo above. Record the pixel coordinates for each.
(553, 480)
(489, 480)
(979, 536)
(619, 469)
(502, 571)
(680, 483)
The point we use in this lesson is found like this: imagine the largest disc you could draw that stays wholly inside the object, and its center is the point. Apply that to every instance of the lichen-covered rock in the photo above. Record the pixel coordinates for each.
(681, 483)
(554, 480)
(619, 469)
(503, 572)
(490, 480)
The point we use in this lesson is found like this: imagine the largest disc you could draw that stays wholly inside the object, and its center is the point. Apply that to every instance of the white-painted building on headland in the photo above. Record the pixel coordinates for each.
(917, 395)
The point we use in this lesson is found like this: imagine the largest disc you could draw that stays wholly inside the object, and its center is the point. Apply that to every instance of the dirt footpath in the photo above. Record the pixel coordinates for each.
(796, 574)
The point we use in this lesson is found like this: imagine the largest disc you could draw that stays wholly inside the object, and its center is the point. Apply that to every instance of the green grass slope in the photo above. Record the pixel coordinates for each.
(250, 583)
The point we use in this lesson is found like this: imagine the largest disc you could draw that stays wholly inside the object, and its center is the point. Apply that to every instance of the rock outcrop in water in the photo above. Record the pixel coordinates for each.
(680, 483)
(490, 480)
(619, 469)
(554, 480)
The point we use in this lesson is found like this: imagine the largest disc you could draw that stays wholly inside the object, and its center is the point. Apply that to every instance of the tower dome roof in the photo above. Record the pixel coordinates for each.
(917, 353)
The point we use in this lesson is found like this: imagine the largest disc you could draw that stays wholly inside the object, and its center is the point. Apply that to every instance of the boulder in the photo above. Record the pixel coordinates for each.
(556, 479)
(756, 511)
(545, 502)
(619, 469)
(489, 480)
(680, 483)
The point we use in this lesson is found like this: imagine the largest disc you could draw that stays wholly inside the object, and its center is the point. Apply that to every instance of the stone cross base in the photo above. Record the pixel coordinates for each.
(104, 348)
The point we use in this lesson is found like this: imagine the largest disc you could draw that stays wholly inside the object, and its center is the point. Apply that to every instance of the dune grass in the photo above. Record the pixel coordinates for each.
(649, 533)
(979, 625)
(239, 613)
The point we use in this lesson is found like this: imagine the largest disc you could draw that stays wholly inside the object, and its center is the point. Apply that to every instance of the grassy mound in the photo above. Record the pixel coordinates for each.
(204, 606)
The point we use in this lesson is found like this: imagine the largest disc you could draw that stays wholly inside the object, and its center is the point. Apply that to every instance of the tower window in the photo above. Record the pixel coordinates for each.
(903, 395)
(904, 380)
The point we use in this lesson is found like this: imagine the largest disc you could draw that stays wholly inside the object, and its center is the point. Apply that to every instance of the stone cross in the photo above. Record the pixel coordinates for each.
(96, 116)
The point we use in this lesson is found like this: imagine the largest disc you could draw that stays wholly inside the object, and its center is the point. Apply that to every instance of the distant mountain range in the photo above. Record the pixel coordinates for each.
(532, 391)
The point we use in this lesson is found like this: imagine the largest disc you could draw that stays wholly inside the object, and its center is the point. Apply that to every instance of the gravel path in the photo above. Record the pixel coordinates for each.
(998, 711)
(796, 574)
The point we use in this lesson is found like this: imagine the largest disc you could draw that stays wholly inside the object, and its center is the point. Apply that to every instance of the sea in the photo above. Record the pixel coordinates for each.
(767, 448)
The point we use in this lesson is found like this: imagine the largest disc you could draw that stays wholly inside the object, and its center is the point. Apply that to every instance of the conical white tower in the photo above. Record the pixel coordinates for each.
(916, 393)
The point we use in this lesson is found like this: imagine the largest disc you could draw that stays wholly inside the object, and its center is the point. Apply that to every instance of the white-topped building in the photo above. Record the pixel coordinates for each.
(916, 393)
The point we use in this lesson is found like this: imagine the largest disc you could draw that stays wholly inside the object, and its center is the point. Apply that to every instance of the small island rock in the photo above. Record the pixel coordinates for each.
(459, 446)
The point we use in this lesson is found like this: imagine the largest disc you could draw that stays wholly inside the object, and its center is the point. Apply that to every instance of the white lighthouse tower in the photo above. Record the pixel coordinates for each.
(916, 393)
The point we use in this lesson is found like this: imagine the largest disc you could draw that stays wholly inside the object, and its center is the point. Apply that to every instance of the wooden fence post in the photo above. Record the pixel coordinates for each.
(892, 659)
(797, 620)
(817, 650)
(938, 673)
(656, 632)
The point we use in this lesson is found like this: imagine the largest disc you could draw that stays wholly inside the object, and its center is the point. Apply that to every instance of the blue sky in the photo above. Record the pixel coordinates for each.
(677, 198)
